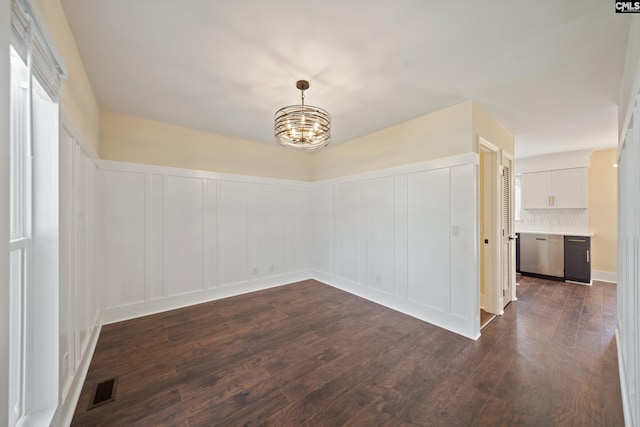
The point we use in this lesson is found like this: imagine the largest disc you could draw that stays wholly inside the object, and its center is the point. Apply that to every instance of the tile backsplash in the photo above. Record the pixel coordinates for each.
(559, 220)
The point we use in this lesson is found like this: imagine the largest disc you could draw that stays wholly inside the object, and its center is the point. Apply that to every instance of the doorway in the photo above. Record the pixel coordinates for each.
(491, 212)
(496, 226)
(489, 226)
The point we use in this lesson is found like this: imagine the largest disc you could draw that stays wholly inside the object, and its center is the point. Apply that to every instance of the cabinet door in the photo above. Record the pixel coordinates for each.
(536, 190)
(577, 259)
(569, 188)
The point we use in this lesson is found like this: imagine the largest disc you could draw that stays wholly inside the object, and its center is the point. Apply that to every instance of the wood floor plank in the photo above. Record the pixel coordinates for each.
(301, 410)
(307, 354)
(253, 414)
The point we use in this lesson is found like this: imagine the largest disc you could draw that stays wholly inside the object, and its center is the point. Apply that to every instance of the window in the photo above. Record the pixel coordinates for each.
(20, 235)
(33, 237)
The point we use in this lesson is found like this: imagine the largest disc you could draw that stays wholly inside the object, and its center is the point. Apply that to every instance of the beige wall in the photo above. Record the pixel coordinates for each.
(603, 191)
(451, 131)
(77, 99)
(486, 127)
(443, 133)
(132, 139)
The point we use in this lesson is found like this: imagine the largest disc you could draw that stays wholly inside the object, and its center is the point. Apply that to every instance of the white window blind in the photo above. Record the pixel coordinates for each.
(31, 44)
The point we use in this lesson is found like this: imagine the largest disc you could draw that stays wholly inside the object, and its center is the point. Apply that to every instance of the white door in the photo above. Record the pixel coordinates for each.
(508, 235)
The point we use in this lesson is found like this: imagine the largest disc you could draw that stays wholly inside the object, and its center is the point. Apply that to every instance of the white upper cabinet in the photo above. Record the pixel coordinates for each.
(536, 190)
(558, 189)
(569, 188)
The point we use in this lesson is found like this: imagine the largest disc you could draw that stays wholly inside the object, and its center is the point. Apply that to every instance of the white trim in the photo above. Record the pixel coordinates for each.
(37, 419)
(493, 301)
(396, 303)
(604, 276)
(73, 130)
(624, 392)
(132, 311)
(482, 142)
(589, 283)
(66, 409)
(112, 165)
(444, 162)
(555, 161)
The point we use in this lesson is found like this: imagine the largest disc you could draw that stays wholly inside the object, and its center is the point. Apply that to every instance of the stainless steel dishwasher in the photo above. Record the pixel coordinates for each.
(542, 254)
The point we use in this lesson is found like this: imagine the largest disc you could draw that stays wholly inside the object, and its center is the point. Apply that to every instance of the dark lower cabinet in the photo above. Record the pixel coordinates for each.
(577, 258)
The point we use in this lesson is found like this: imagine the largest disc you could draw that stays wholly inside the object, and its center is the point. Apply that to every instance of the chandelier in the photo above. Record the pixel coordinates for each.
(303, 127)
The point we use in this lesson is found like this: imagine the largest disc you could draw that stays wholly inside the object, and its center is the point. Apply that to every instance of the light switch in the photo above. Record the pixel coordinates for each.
(455, 230)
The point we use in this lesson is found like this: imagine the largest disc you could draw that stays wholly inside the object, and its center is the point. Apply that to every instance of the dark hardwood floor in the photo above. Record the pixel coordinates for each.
(485, 318)
(308, 354)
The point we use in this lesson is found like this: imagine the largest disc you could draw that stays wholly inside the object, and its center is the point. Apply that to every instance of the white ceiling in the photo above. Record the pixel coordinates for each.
(548, 70)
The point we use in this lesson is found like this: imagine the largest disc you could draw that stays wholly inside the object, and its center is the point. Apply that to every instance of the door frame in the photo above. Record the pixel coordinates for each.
(508, 158)
(492, 261)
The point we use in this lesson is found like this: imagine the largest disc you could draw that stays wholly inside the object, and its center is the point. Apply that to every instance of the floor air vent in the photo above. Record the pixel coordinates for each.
(105, 392)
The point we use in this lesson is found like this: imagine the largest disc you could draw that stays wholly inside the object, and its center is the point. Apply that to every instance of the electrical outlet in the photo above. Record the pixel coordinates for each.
(255, 270)
(271, 268)
(378, 278)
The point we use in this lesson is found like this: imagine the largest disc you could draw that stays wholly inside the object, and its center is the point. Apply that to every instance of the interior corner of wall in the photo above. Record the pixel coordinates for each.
(485, 126)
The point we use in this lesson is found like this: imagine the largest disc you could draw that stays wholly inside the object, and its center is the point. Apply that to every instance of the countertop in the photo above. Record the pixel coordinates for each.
(557, 233)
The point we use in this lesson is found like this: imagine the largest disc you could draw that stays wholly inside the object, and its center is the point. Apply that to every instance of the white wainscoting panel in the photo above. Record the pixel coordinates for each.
(154, 237)
(402, 235)
(322, 228)
(183, 235)
(67, 274)
(301, 238)
(465, 244)
(380, 208)
(363, 237)
(80, 270)
(628, 330)
(347, 231)
(176, 237)
(429, 244)
(210, 233)
(411, 243)
(82, 246)
(233, 233)
(124, 238)
(273, 228)
(253, 232)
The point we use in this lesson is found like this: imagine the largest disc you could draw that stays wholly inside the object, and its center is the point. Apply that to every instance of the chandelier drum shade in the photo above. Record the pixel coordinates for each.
(303, 127)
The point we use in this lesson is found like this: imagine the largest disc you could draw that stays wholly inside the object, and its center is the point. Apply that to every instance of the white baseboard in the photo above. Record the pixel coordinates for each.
(604, 276)
(131, 311)
(64, 413)
(626, 404)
